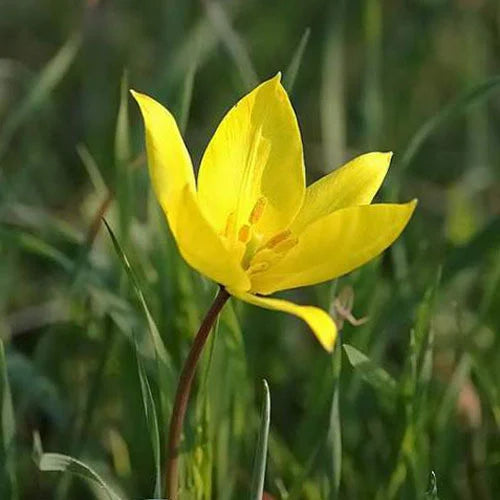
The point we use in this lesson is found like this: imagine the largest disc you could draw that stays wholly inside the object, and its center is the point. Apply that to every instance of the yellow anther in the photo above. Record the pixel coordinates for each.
(257, 210)
(278, 238)
(244, 233)
(230, 223)
(259, 267)
(285, 245)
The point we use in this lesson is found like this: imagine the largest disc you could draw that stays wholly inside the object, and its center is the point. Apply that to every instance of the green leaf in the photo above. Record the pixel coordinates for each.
(37, 392)
(122, 161)
(151, 420)
(8, 483)
(422, 350)
(259, 469)
(36, 246)
(370, 372)
(448, 401)
(44, 84)
(460, 104)
(233, 43)
(432, 492)
(487, 239)
(294, 66)
(92, 168)
(424, 314)
(166, 374)
(335, 430)
(160, 349)
(56, 462)
(187, 94)
(333, 106)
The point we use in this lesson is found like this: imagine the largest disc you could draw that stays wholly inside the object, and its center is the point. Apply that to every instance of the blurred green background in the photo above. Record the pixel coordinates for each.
(415, 77)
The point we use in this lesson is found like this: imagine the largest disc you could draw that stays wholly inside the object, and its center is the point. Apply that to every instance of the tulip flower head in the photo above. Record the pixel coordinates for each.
(249, 222)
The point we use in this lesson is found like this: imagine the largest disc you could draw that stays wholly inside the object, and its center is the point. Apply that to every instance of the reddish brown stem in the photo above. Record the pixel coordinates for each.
(183, 391)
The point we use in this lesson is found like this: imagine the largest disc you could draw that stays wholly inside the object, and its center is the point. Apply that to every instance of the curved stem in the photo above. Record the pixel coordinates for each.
(183, 391)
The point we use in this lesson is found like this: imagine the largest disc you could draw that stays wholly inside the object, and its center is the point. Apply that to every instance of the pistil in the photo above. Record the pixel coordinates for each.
(258, 254)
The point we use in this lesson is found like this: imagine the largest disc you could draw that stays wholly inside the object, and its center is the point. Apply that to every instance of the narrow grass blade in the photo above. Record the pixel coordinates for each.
(448, 402)
(92, 169)
(187, 94)
(489, 386)
(56, 462)
(160, 349)
(414, 386)
(122, 140)
(432, 492)
(373, 96)
(335, 431)
(424, 314)
(36, 246)
(416, 372)
(293, 69)
(259, 469)
(199, 42)
(460, 104)
(165, 370)
(466, 256)
(122, 161)
(332, 90)
(8, 483)
(152, 422)
(370, 372)
(37, 392)
(233, 42)
(43, 85)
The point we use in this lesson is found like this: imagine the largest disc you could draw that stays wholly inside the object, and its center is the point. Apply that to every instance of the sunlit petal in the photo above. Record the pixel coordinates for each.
(256, 153)
(169, 162)
(319, 321)
(202, 248)
(356, 183)
(336, 244)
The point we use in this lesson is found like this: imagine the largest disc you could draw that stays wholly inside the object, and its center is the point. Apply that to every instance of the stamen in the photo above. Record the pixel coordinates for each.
(257, 210)
(244, 233)
(230, 223)
(278, 238)
(285, 245)
(263, 255)
(258, 268)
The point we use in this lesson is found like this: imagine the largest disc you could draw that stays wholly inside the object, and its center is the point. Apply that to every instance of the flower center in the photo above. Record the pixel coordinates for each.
(260, 252)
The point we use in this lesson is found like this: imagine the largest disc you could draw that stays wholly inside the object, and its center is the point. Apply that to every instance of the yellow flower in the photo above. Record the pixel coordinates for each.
(250, 223)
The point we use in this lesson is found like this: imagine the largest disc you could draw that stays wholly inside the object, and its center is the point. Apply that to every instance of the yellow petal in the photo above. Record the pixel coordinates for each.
(356, 183)
(168, 159)
(256, 152)
(336, 244)
(319, 321)
(203, 249)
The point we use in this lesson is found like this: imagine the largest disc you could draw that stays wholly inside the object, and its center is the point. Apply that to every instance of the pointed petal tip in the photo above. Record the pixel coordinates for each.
(329, 344)
(383, 158)
(320, 322)
(380, 159)
(387, 155)
(139, 97)
(145, 101)
(136, 95)
(275, 81)
(409, 207)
